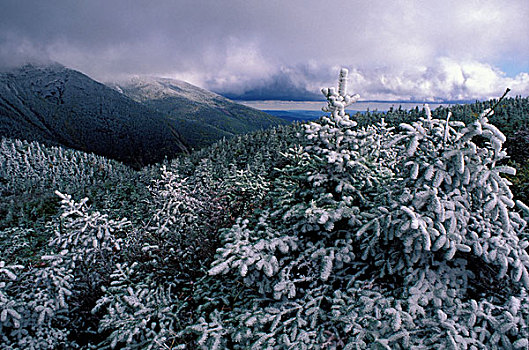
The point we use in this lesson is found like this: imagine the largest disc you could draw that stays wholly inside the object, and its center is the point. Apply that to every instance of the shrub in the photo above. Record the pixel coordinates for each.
(377, 237)
(44, 307)
(341, 237)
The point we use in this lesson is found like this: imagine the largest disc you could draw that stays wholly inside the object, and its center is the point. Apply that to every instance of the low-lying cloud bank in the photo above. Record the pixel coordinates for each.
(446, 79)
(396, 50)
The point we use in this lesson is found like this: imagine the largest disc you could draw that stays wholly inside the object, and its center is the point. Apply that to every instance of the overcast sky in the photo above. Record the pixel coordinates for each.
(283, 49)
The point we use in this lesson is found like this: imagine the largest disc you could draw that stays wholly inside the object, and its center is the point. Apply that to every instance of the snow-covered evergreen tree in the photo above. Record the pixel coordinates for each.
(42, 306)
(378, 237)
(340, 237)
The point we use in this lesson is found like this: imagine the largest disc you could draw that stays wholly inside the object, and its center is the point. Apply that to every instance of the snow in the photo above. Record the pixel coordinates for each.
(143, 88)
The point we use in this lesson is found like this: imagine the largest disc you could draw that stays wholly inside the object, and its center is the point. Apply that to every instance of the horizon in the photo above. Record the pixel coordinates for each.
(277, 104)
(359, 106)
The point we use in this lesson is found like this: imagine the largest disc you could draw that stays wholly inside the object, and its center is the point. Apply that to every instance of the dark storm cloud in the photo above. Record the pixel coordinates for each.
(262, 47)
(108, 37)
(278, 87)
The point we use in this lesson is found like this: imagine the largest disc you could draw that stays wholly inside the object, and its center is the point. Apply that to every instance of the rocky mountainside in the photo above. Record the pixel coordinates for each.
(201, 116)
(59, 106)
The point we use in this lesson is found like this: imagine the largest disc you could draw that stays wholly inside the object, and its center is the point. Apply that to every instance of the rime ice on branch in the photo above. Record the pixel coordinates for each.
(338, 101)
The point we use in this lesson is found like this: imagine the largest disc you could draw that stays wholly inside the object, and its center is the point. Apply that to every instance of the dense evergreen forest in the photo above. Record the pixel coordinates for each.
(396, 230)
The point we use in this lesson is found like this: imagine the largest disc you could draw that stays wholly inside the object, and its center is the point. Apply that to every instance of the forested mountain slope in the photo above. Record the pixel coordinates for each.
(60, 106)
(321, 235)
(30, 173)
(201, 116)
(510, 116)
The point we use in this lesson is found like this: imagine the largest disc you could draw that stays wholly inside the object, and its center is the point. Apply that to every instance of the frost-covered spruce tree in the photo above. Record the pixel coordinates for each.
(289, 252)
(377, 238)
(150, 297)
(31, 166)
(45, 306)
(147, 299)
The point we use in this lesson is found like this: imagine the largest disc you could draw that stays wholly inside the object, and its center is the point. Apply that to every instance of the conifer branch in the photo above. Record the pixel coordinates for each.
(498, 102)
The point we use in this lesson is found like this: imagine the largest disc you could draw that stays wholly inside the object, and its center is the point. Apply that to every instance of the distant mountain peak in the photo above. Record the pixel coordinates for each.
(55, 105)
(203, 116)
(145, 88)
(139, 121)
(34, 67)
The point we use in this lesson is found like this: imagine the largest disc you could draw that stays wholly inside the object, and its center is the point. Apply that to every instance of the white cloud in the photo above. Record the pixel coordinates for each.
(242, 65)
(445, 79)
(411, 48)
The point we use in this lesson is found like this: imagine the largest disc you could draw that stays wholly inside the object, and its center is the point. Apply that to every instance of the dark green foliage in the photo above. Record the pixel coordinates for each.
(520, 182)
(510, 116)
(325, 235)
(59, 106)
(32, 173)
(518, 143)
(200, 116)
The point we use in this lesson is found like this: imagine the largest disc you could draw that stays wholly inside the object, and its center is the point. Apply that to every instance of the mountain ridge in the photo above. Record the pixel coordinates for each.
(138, 123)
(205, 116)
(60, 106)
